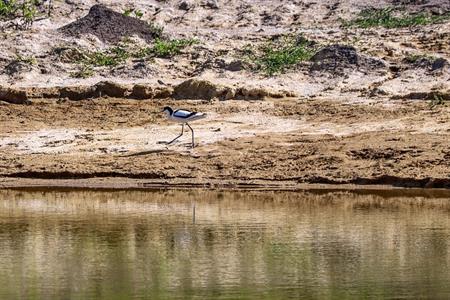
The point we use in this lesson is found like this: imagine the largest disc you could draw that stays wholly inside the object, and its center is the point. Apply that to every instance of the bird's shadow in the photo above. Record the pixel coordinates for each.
(146, 152)
(174, 143)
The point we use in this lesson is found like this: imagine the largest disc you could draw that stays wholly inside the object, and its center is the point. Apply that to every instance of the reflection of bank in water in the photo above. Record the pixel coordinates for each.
(90, 244)
(165, 202)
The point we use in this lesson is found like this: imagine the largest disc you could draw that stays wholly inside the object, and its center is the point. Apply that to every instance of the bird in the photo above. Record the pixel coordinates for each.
(183, 116)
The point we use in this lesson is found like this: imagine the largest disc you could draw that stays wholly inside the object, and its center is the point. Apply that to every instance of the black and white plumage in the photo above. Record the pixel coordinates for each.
(183, 116)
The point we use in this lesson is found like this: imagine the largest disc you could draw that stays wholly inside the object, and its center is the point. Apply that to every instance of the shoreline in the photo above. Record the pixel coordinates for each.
(123, 183)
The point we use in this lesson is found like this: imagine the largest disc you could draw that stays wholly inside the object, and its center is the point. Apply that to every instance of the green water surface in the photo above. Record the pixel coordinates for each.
(223, 245)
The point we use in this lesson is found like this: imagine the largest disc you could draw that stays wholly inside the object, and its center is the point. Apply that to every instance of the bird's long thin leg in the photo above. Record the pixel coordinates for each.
(50, 6)
(182, 132)
(192, 130)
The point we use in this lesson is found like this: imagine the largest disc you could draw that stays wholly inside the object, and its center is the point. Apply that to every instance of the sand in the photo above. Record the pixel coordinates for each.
(372, 120)
(281, 142)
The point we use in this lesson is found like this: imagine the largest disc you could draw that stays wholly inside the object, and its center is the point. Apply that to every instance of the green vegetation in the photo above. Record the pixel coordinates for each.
(414, 58)
(26, 11)
(438, 99)
(110, 57)
(162, 47)
(385, 18)
(84, 71)
(157, 30)
(118, 54)
(30, 60)
(136, 13)
(29, 11)
(8, 8)
(277, 56)
(169, 48)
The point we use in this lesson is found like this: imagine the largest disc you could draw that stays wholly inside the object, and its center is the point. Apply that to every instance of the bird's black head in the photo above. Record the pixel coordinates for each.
(168, 109)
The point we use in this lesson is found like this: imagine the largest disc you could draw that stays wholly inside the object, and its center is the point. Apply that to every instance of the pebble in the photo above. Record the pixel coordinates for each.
(212, 4)
(185, 5)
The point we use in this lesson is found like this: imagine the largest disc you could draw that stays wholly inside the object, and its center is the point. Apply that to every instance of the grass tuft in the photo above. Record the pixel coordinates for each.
(419, 58)
(84, 71)
(132, 11)
(385, 18)
(8, 8)
(26, 11)
(29, 60)
(169, 48)
(111, 57)
(156, 30)
(118, 54)
(277, 56)
(29, 12)
(438, 99)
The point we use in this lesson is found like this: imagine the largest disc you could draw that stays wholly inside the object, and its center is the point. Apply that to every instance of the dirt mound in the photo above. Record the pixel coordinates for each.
(13, 96)
(427, 63)
(337, 59)
(196, 89)
(201, 89)
(16, 67)
(108, 26)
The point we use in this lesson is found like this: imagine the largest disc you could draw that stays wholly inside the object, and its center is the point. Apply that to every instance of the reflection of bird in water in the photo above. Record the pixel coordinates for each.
(183, 116)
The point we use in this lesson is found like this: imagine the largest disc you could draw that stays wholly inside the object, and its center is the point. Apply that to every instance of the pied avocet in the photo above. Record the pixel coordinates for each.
(183, 116)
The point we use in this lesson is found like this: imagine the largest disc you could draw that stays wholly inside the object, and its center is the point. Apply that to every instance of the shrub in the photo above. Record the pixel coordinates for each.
(83, 72)
(8, 8)
(277, 56)
(156, 30)
(25, 11)
(118, 54)
(110, 57)
(136, 12)
(438, 99)
(385, 18)
(29, 12)
(169, 48)
(30, 60)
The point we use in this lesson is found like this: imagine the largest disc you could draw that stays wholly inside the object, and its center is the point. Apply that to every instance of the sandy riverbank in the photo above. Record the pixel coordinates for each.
(369, 107)
(281, 142)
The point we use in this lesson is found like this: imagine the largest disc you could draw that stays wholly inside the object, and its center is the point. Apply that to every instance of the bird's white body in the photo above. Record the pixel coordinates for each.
(184, 116)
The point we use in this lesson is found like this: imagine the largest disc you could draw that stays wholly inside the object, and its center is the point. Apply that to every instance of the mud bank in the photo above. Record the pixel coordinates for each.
(261, 144)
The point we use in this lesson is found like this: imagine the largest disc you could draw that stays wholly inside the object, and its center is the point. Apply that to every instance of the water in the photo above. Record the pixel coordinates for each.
(236, 245)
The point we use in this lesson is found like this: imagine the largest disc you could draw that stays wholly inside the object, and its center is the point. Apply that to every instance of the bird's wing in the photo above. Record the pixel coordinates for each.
(180, 113)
